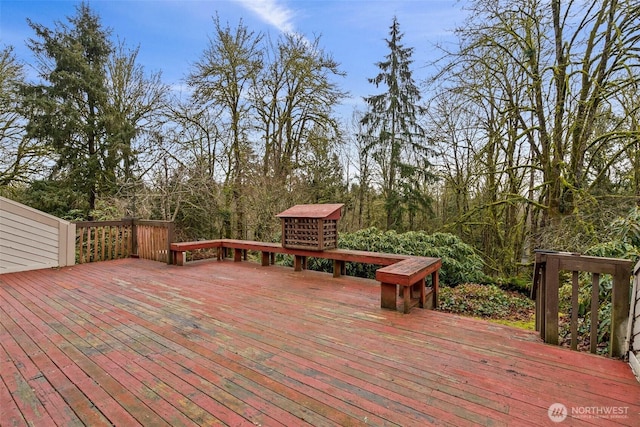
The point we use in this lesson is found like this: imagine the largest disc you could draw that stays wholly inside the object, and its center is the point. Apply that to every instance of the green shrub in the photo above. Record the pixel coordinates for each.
(518, 284)
(488, 301)
(460, 263)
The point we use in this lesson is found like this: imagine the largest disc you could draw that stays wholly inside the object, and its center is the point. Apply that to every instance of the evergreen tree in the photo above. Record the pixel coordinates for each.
(396, 138)
(68, 110)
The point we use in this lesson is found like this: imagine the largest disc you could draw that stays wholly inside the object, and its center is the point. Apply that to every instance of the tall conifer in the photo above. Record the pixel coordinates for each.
(397, 140)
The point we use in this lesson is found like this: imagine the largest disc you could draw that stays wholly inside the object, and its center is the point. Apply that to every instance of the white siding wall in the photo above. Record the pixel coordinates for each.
(30, 239)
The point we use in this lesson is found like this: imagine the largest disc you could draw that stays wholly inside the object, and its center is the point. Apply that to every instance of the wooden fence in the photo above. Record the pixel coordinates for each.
(107, 240)
(546, 284)
(154, 240)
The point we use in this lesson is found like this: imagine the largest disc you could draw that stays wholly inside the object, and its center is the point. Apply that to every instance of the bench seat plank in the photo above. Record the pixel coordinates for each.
(408, 271)
(199, 244)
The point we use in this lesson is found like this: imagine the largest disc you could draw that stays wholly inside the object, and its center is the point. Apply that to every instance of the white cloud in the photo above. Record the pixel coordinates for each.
(272, 12)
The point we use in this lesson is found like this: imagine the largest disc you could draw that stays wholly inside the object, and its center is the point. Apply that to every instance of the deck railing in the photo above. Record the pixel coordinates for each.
(107, 240)
(546, 284)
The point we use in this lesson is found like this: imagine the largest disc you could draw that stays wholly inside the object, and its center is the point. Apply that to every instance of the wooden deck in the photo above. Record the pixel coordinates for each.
(132, 342)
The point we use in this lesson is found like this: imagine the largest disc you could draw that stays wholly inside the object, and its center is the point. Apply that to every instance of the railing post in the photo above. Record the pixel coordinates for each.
(170, 236)
(619, 310)
(595, 309)
(538, 291)
(134, 237)
(552, 284)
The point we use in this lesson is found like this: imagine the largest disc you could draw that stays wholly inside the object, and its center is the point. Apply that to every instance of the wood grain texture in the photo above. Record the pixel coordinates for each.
(137, 342)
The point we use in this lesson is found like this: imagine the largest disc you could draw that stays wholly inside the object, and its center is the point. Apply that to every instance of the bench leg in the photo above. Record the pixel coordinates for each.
(219, 253)
(178, 258)
(419, 292)
(237, 255)
(388, 296)
(297, 263)
(406, 299)
(338, 268)
(434, 285)
(265, 258)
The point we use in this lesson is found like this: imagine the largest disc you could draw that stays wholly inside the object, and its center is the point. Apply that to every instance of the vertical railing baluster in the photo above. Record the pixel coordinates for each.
(130, 240)
(80, 251)
(102, 242)
(89, 243)
(574, 311)
(95, 243)
(121, 241)
(109, 243)
(144, 243)
(595, 308)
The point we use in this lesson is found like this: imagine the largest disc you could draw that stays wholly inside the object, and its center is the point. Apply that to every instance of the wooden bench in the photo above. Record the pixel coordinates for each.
(409, 275)
(403, 271)
(178, 249)
(267, 249)
(340, 257)
(240, 248)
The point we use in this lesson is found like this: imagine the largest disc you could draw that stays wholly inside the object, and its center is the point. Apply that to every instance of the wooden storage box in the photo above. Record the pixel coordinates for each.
(312, 227)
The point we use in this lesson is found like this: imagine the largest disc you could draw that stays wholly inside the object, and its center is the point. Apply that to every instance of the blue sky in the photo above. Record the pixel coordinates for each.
(173, 34)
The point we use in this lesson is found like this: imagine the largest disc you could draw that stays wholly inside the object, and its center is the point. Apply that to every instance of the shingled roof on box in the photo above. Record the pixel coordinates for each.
(324, 211)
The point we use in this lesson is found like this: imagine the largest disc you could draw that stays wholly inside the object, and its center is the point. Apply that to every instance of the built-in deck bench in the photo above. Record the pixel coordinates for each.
(409, 275)
(341, 256)
(179, 249)
(240, 248)
(403, 272)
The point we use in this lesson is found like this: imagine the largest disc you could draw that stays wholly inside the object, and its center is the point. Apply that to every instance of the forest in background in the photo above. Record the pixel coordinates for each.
(526, 135)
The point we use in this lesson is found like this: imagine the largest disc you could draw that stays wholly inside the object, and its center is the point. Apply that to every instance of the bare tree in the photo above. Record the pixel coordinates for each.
(21, 158)
(546, 81)
(222, 79)
(293, 95)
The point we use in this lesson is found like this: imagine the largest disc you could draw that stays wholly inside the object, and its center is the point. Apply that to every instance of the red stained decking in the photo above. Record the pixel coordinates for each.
(139, 342)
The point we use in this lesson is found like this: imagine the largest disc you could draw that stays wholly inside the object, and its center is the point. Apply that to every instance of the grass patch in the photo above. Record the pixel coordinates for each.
(522, 324)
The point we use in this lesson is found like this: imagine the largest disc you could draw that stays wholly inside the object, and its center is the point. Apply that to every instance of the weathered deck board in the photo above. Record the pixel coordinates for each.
(138, 342)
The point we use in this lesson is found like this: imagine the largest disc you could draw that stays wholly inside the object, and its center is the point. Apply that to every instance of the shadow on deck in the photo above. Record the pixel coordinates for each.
(139, 342)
